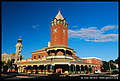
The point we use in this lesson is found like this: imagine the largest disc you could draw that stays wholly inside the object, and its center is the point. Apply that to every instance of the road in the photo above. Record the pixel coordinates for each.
(16, 76)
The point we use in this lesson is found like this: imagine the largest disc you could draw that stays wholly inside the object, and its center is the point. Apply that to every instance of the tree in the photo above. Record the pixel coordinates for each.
(112, 66)
(109, 65)
(111, 61)
(9, 63)
(116, 61)
(105, 66)
(3, 63)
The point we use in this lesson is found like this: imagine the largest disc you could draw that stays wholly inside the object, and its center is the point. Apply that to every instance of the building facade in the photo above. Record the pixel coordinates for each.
(93, 60)
(15, 56)
(6, 57)
(57, 57)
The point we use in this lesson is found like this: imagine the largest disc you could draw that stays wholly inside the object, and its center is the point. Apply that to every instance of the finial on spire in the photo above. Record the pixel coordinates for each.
(59, 15)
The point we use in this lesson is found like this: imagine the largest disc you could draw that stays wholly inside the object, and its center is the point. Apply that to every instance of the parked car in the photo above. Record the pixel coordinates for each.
(66, 72)
(115, 72)
(97, 71)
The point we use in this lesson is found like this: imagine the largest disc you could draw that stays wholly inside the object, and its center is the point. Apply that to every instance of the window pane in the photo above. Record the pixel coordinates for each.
(39, 56)
(34, 57)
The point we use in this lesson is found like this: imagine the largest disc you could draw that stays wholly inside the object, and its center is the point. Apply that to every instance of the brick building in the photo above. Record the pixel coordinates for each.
(14, 56)
(57, 57)
(6, 57)
(93, 60)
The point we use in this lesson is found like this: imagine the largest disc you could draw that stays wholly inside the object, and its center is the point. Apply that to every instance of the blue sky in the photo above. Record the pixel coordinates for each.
(93, 27)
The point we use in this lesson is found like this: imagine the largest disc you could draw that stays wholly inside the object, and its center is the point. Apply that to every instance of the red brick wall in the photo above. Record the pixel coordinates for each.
(94, 61)
(34, 55)
(85, 60)
(37, 55)
(59, 38)
(73, 55)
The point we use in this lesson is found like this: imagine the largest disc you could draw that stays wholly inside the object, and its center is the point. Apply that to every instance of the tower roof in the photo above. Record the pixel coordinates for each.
(19, 40)
(59, 16)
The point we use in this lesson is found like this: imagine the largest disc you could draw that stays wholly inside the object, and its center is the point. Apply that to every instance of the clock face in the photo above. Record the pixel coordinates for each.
(55, 30)
(63, 31)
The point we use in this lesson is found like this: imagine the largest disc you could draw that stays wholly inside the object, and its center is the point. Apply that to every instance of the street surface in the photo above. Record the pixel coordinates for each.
(16, 76)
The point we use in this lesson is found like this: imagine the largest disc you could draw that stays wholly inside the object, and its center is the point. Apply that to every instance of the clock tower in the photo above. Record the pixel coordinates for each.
(59, 31)
(18, 49)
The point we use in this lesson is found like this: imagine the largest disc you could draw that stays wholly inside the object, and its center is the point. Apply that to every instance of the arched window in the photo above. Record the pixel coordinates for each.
(19, 48)
(56, 21)
(34, 56)
(43, 56)
(55, 30)
(39, 55)
(60, 21)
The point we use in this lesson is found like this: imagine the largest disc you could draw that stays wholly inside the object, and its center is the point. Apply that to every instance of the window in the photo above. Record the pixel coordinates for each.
(39, 56)
(44, 56)
(56, 22)
(55, 30)
(60, 21)
(19, 48)
(63, 31)
(34, 57)
(50, 66)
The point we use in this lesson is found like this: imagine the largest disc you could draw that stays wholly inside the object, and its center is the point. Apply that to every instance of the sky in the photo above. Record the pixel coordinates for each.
(93, 27)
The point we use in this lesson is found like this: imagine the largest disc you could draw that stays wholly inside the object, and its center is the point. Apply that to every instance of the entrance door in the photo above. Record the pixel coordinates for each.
(59, 70)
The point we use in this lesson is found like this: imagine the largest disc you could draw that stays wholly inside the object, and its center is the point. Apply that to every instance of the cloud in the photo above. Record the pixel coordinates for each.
(86, 33)
(36, 27)
(106, 38)
(94, 35)
(75, 26)
(108, 27)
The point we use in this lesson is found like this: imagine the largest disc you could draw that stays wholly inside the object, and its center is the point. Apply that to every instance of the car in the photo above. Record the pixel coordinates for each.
(66, 73)
(97, 71)
(115, 72)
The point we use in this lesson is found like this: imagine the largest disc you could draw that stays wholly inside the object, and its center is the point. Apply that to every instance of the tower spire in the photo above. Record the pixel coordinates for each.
(59, 15)
(58, 9)
(59, 37)
(18, 49)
